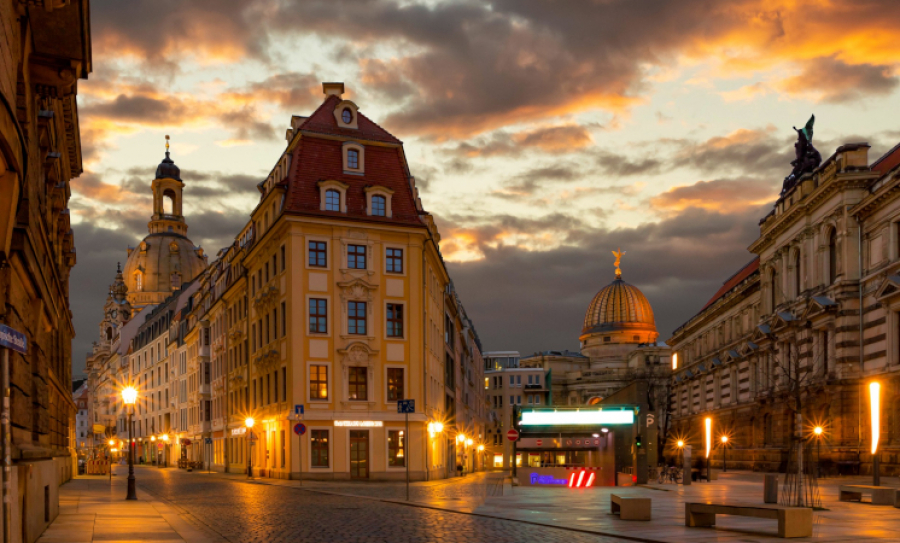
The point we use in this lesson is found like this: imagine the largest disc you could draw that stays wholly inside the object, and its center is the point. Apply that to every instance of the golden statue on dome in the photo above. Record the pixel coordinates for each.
(618, 254)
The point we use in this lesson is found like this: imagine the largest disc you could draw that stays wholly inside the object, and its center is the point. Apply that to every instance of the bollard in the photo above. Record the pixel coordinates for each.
(770, 488)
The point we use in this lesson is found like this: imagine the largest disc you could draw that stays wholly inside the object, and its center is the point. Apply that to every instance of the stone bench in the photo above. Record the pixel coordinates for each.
(792, 521)
(881, 495)
(630, 508)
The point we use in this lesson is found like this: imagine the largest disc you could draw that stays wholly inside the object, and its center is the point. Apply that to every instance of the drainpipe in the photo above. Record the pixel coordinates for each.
(861, 345)
(6, 452)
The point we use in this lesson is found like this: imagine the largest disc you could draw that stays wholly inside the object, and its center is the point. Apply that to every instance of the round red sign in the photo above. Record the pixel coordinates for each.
(512, 434)
(540, 442)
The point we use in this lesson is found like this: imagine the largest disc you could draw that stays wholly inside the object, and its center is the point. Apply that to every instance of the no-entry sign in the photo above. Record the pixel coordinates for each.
(512, 434)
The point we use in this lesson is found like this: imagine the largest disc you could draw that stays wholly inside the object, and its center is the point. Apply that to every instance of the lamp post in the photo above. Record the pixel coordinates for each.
(165, 439)
(433, 429)
(154, 451)
(461, 439)
(818, 433)
(708, 423)
(249, 424)
(725, 454)
(129, 397)
(112, 443)
(875, 406)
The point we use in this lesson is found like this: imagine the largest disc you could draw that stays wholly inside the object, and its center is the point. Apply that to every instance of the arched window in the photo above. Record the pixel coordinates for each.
(797, 282)
(378, 205)
(832, 256)
(169, 202)
(138, 281)
(332, 200)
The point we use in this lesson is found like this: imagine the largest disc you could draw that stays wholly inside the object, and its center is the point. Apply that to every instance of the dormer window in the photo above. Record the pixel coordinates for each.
(333, 196)
(347, 116)
(354, 158)
(378, 206)
(332, 200)
(378, 201)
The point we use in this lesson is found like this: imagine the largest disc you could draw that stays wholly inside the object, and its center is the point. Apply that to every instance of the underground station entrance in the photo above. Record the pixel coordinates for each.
(584, 447)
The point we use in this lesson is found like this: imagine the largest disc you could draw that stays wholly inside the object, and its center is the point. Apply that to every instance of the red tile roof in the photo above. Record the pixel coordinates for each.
(734, 281)
(888, 161)
(319, 159)
(322, 121)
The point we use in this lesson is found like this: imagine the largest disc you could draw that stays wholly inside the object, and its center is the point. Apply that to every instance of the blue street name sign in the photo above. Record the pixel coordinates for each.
(299, 428)
(406, 406)
(13, 339)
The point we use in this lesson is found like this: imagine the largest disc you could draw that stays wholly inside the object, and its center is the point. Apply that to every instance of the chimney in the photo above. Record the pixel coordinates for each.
(336, 89)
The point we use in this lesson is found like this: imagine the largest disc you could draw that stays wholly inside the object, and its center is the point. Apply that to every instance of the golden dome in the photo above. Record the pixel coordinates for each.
(620, 307)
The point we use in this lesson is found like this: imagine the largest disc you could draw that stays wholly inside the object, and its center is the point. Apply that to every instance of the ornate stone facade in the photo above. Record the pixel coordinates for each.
(45, 51)
(782, 336)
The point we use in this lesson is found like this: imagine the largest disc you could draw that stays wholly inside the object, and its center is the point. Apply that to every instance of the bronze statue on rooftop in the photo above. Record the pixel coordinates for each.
(807, 157)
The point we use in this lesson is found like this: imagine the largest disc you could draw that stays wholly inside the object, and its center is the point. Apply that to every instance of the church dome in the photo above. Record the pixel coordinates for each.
(618, 306)
(159, 265)
(168, 169)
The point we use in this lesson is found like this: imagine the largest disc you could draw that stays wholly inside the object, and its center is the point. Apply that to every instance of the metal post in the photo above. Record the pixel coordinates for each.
(300, 452)
(818, 457)
(708, 466)
(132, 492)
(724, 458)
(876, 469)
(7, 460)
(406, 455)
(249, 454)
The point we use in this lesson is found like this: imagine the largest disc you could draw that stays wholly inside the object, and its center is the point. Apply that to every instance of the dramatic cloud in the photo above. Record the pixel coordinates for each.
(831, 80)
(744, 150)
(723, 195)
(550, 139)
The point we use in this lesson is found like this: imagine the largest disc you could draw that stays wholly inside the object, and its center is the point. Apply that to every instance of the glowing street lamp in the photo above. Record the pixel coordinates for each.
(674, 361)
(249, 422)
(724, 440)
(875, 407)
(129, 397)
(818, 433)
(680, 443)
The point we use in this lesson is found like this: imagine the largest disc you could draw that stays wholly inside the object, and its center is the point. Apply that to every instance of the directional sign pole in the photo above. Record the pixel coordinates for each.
(406, 454)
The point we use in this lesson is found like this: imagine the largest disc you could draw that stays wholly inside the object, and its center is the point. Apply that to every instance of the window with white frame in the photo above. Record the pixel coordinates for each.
(333, 196)
(378, 201)
(354, 160)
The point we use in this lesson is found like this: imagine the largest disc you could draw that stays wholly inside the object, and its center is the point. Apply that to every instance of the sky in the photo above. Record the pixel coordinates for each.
(543, 134)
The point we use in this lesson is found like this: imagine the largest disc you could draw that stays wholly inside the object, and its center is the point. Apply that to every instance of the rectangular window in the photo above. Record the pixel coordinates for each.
(356, 318)
(275, 377)
(356, 257)
(395, 384)
(283, 319)
(394, 261)
(282, 258)
(318, 382)
(319, 446)
(318, 316)
(359, 389)
(318, 256)
(395, 320)
(284, 384)
(396, 446)
(283, 455)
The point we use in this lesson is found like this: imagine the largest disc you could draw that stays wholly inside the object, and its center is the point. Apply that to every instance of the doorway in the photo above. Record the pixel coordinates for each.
(359, 454)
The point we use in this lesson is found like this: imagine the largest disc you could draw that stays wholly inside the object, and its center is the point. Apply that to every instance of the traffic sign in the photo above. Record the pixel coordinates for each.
(540, 442)
(298, 409)
(208, 441)
(299, 428)
(512, 434)
(13, 339)
(406, 406)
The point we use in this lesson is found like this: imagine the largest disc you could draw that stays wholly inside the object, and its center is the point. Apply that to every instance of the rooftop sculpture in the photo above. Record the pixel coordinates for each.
(807, 157)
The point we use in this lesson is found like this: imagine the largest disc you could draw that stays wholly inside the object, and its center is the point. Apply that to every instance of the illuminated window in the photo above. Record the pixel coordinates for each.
(318, 382)
(332, 200)
(359, 384)
(139, 281)
(379, 204)
(356, 318)
(396, 446)
(395, 384)
(319, 445)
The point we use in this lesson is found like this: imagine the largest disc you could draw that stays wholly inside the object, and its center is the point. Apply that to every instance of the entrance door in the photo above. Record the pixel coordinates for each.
(359, 454)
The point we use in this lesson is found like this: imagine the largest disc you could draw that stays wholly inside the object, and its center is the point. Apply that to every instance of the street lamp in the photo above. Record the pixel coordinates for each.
(818, 433)
(725, 454)
(129, 397)
(153, 450)
(708, 423)
(434, 428)
(875, 406)
(249, 424)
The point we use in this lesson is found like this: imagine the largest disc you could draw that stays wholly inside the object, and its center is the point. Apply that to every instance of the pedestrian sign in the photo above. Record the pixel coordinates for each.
(406, 406)
(208, 441)
(299, 428)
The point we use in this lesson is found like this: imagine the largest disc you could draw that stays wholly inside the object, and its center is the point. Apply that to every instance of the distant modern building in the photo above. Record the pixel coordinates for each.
(508, 385)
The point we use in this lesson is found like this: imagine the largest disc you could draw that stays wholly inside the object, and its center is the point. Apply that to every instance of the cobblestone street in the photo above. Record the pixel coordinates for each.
(263, 513)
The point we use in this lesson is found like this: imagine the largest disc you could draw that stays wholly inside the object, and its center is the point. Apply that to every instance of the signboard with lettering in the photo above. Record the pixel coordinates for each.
(560, 443)
(13, 339)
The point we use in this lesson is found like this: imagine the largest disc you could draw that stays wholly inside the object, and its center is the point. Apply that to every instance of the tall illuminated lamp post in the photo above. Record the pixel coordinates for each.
(129, 397)
(875, 406)
(708, 423)
(249, 424)
(818, 433)
(725, 454)
(434, 428)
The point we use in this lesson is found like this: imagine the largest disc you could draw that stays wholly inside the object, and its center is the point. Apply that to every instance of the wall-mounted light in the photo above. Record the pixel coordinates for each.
(875, 399)
(674, 361)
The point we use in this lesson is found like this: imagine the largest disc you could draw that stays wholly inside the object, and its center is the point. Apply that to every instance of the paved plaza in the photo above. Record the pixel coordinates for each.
(199, 507)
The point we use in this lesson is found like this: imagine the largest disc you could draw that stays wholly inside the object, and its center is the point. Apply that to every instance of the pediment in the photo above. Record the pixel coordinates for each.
(889, 288)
